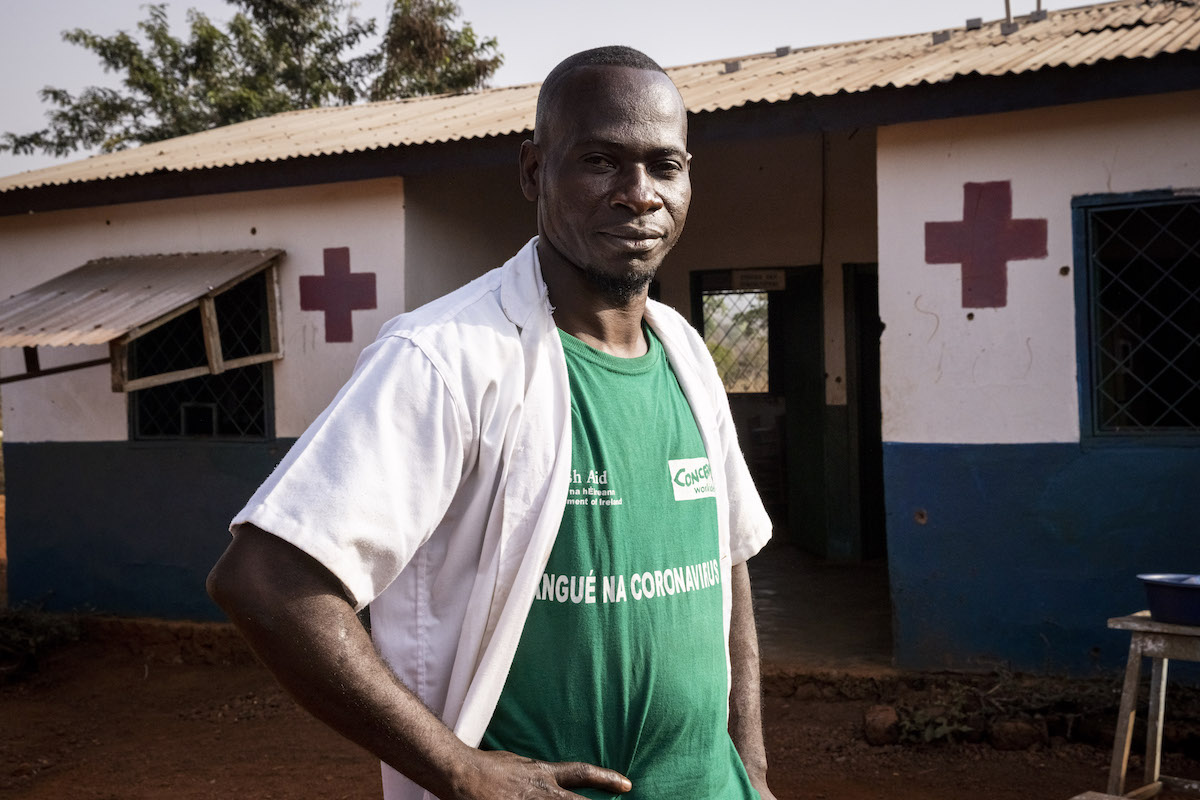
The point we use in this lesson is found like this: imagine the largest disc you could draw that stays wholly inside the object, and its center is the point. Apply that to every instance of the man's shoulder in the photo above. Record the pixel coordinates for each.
(496, 304)
(471, 336)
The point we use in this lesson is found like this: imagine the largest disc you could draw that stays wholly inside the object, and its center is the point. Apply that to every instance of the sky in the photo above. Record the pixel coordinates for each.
(533, 35)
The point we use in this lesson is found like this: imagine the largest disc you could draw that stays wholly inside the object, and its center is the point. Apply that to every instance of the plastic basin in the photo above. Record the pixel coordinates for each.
(1173, 598)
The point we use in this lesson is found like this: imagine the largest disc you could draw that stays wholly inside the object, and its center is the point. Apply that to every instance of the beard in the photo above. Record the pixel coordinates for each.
(618, 290)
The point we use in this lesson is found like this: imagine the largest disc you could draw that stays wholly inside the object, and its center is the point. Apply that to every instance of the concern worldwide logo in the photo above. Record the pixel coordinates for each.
(691, 478)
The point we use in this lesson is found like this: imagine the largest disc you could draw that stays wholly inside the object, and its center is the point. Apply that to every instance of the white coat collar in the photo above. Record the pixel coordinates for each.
(522, 290)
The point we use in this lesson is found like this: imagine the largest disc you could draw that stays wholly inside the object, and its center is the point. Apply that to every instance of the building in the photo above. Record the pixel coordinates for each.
(964, 268)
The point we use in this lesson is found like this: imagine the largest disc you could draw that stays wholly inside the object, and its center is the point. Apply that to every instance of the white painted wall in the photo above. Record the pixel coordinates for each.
(1009, 374)
(366, 216)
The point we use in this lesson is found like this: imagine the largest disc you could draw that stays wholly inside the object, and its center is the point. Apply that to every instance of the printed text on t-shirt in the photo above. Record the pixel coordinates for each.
(691, 478)
(647, 585)
(592, 489)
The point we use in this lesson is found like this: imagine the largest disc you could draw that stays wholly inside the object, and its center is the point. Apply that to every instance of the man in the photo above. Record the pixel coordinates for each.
(535, 483)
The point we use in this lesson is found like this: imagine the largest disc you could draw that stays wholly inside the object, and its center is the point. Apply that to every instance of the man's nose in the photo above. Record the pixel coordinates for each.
(637, 191)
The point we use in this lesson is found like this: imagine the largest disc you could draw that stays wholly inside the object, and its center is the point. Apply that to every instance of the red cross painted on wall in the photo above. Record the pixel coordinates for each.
(984, 242)
(338, 293)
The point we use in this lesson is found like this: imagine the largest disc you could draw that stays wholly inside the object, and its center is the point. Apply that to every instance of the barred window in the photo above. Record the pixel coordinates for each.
(1140, 286)
(735, 330)
(233, 402)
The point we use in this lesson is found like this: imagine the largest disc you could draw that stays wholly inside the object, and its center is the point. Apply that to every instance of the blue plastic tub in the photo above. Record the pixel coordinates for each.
(1173, 598)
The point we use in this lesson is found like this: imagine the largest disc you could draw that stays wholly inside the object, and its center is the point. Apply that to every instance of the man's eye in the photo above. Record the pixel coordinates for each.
(668, 167)
(596, 160)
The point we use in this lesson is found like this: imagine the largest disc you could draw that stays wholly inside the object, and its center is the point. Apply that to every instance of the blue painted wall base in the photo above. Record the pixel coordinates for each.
(128, 528)
(1017, 555)
(1024, 552)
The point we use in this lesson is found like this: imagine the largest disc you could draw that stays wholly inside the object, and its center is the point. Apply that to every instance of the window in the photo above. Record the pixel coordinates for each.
(189, 336)
(174, 391)
(734, 311)
(1139, 289)
(735, 330)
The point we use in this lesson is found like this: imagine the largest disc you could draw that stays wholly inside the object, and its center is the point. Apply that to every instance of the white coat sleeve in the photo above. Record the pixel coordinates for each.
(368, 482)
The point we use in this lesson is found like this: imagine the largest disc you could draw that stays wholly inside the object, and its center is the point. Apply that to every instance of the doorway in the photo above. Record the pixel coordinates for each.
(763, 329)
(818, 468)
(865, 416)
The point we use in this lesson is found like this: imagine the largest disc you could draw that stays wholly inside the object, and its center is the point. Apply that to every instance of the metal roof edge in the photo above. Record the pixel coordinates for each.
(714, 89)
(879, 106)
(289, 158)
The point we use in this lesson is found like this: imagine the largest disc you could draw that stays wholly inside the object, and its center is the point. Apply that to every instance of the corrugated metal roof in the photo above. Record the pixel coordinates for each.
(107, 298)
(1073, 37)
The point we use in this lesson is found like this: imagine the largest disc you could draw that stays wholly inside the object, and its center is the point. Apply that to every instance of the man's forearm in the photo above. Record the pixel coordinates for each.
(314, 644)
(298, 621)
(745, 702)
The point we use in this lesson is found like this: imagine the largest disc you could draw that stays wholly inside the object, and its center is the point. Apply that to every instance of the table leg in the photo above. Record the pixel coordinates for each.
(1154, 719)
(1120, 755)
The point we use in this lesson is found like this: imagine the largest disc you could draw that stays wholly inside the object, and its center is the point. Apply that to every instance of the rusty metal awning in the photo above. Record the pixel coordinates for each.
(116, 300)
(108, 298)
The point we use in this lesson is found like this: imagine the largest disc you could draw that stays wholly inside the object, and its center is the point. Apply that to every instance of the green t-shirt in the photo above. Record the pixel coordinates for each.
(622, 660)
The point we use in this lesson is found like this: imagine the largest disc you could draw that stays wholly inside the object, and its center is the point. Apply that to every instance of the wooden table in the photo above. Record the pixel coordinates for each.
(1160, 642)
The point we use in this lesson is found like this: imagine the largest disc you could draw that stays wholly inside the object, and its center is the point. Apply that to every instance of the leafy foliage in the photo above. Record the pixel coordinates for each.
(272, 56)
(422, 54)
(926, 724)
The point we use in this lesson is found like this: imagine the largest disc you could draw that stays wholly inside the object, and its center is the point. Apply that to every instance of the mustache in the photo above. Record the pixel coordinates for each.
(628, 231)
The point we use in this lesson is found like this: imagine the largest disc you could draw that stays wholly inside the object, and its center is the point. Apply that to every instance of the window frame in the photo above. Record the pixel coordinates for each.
(1085, 319)
(723, 281)
(210, 324)
(217, 363)
(268, 435)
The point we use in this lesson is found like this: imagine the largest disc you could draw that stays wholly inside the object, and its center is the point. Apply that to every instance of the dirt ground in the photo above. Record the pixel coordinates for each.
(171, 710)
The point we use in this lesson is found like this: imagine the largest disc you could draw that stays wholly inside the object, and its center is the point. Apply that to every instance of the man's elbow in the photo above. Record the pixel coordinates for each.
(239, 574)
(259, 574)
(223, 583)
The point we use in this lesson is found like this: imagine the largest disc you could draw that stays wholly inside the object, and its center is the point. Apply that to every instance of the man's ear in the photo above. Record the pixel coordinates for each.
(531, 166)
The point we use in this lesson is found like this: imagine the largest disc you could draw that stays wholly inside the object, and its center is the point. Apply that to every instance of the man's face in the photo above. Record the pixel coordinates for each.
(610, 173)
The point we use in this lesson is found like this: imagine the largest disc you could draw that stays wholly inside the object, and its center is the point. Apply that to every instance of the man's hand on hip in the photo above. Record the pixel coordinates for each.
(299, 621)
(499, 775)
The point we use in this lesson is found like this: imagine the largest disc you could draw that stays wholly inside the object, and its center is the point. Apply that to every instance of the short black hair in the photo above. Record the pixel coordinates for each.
(614, 55)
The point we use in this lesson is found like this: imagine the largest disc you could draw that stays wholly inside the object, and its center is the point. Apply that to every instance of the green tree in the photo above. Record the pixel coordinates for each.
(272, 56)
(422, 53)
